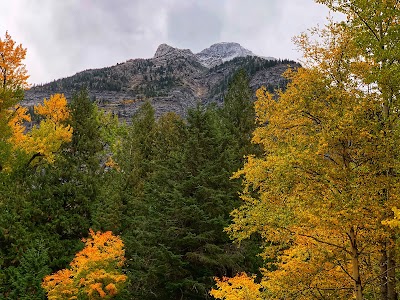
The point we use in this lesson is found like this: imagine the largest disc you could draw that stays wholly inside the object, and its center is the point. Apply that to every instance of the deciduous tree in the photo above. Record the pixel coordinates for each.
(46, 139)
(329, 172)
(13, 75)
(13, 80)
(94, 273)
(15, 141)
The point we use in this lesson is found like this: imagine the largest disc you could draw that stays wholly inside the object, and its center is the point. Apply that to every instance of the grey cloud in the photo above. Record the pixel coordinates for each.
(267, 27)
(193, 25)
(66, 36)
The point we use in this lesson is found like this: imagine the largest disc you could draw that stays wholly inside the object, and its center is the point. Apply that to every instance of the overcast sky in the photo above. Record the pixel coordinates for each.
(67, 36)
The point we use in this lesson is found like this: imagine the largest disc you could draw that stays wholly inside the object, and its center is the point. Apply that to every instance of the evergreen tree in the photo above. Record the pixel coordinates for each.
(134, 160)
(50, 205)
(238, 110)
(189, 197)
(26, 278)
(239, 120)
(68, 188)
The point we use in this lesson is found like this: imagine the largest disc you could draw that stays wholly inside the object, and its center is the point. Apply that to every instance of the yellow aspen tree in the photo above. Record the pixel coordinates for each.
(13, 80)
(46, 139)
(375, 28)
(94, 273)
(13, 74)
(53, 130)
(329, 173)
(16, 144)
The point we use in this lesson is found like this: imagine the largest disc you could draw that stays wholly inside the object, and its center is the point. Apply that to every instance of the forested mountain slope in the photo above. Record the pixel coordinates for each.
(174, 80)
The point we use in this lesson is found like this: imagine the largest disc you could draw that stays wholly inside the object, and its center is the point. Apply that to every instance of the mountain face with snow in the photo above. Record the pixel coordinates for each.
(210, 57)
(221, 52)
(172, 80)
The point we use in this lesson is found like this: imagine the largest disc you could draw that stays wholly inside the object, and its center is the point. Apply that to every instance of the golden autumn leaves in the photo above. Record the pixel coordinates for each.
(46, 138)
(94, 272)
(12, 72)
(240, 287)
(322, 194)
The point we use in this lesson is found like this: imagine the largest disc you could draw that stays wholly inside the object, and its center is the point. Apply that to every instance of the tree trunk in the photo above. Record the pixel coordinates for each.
(356, 266)
(383, 270)
(388, 271)
(391, 275)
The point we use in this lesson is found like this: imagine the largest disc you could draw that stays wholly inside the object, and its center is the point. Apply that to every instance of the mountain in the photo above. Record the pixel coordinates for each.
(221, 52)
(165, 51)
(172, 80)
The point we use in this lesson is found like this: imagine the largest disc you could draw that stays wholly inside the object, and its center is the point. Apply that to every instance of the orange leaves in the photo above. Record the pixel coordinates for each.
(95, 271)
(100, 248)
(12, 80)
(13, 74)
(240, 287)
(112, 289)
(60, 286)
(111, 164)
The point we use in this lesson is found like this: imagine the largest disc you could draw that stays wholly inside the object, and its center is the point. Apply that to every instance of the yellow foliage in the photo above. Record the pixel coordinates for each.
(18, 117)
(129, 101)
(110, 163)
(61, 286)
(54, 109)
(395, 222)
(323, 190)
(240, 287)
(95, 271)
(13, 74)
(46, 139)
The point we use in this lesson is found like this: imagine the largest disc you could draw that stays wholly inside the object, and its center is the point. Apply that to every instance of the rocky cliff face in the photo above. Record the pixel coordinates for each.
(173, 80)
(165, 51)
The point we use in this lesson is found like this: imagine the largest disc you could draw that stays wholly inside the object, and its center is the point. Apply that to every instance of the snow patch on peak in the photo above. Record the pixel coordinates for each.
(221, 52)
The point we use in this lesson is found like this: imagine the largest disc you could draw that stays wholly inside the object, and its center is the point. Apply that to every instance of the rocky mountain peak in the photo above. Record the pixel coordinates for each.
(173, 80)
(165, 51)
(222, 52)
(226, 49)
